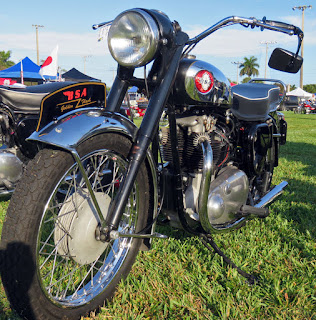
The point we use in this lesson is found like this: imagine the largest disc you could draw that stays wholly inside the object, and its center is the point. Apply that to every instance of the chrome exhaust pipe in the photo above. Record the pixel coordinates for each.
(5, 194)
(270, 196)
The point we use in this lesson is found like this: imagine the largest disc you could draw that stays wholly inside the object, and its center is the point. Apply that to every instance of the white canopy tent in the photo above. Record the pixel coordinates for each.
(298, 92)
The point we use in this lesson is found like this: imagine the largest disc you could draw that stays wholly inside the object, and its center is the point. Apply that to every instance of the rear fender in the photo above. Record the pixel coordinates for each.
(75, 127)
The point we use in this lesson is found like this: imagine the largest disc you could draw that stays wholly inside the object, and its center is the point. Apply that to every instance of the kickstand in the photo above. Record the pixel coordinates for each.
(208, 241)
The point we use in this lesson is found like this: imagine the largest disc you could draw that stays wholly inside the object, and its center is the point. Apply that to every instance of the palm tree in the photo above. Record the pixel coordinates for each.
(249, 67)
(4, 60)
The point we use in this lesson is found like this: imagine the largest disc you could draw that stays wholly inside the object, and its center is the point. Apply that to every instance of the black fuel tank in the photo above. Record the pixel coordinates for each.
(211, 88)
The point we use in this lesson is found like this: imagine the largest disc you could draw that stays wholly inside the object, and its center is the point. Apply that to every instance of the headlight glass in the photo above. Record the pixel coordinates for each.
(133, 38)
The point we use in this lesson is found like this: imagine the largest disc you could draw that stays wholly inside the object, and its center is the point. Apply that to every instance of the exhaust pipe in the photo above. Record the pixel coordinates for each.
(270, 196)
(5, 194)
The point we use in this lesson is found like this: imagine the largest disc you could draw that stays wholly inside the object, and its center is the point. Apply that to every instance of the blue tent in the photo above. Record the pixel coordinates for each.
(30, 71)
(133, 89)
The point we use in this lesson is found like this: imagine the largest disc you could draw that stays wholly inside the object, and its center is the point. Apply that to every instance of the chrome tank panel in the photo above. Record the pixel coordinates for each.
(187, 92)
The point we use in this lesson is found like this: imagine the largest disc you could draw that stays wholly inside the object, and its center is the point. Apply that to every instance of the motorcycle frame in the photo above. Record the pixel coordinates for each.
(171, 52)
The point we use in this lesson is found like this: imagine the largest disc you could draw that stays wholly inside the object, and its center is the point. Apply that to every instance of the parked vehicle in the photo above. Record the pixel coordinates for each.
(93, 194)
(28, 109)
(291, 103)
(308, 107)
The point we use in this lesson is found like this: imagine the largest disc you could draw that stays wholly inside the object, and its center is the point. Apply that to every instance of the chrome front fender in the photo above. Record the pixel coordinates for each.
(75, 127)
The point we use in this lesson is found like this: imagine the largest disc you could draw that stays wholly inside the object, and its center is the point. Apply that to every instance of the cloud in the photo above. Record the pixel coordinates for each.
(228, 42)
(69, 43)
(237, 43)
(309, 28)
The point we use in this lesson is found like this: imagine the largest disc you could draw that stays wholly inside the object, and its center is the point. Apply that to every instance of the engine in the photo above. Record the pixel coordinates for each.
(211, 197)
(191, 131)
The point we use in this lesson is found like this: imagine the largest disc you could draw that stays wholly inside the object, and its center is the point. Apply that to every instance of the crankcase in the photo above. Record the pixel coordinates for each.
(228, 192)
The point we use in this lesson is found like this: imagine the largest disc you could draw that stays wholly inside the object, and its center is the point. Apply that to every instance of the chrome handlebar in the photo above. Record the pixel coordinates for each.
(249, 22)
(102, 24)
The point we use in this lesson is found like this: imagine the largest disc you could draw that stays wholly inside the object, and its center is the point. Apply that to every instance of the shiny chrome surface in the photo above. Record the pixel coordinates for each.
(115, 235)
(264, 201)
(205, 182)
(99, 213)
(204, 195)
(130, 45)
(228, 192)
(221, 91)
(5, 193)
(253, 22)
(73, 267)
(102, 24)
(77, 126)
(270, 196)
(10, 169)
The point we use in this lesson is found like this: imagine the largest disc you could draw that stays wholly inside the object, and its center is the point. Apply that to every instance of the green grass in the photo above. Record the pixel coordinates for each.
(180, 279)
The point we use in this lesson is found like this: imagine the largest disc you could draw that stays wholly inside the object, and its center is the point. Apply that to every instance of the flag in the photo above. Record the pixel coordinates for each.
(50, 66)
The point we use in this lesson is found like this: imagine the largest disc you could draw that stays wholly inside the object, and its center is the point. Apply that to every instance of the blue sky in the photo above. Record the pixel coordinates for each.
(68, 24)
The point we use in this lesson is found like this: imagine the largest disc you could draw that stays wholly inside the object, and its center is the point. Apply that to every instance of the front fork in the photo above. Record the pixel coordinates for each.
(142, 142)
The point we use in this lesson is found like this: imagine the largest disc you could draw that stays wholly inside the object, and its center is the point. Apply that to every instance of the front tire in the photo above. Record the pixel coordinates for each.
(60, 270)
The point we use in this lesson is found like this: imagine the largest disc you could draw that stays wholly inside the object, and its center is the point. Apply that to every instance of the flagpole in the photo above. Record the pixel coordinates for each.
(22, 78)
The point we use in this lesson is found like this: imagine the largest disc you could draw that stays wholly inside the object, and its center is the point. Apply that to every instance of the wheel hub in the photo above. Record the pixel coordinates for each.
(75, 228)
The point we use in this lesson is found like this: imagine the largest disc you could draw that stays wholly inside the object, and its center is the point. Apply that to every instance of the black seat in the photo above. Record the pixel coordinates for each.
(28, 99)
(254, 101)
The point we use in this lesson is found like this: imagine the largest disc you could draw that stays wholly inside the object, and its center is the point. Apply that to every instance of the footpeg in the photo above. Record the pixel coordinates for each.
(255, 212)
(116, 235)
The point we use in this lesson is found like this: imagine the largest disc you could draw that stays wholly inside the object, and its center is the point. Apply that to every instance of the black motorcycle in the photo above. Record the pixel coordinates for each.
(93, 194)
(25, 110)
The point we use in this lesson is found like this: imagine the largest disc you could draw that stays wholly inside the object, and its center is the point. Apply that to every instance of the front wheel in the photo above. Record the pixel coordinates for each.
(60, 270)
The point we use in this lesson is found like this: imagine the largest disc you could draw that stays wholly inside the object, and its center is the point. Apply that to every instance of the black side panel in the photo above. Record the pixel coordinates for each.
(23, 130)
(259, 141)
(80, 95)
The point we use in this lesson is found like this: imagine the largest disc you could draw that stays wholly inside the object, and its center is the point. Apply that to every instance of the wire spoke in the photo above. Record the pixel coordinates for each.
(66, 279)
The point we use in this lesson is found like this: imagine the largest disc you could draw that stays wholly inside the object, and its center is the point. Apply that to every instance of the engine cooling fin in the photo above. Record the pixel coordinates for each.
(190, 152)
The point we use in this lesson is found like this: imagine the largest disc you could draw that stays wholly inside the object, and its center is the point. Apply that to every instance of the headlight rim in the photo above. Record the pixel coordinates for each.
(155, 38)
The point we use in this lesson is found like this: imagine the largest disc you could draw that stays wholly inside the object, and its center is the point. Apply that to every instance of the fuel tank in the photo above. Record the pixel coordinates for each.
(200, 83)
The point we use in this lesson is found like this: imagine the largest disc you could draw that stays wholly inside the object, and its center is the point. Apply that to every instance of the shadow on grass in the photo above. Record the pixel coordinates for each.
(302, 152)
(300, 195)
(17, 253)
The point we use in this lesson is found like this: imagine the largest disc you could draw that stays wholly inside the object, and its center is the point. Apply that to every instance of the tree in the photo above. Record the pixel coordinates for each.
(246, 80)
(311, 88)
(4, 60)
(249, 67)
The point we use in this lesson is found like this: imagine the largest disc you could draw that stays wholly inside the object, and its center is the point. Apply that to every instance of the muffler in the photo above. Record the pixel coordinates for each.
(270, 196)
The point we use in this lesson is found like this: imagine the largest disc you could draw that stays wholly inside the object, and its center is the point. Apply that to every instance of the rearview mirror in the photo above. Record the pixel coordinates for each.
(284, 60)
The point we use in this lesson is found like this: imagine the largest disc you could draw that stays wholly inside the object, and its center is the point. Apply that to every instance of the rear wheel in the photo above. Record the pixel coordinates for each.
(61, 271)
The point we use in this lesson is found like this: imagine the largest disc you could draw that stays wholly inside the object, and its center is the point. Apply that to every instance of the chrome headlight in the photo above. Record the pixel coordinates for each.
(133, 38)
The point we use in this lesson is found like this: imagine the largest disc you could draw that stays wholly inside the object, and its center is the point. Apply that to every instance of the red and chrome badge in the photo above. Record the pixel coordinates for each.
(204, 81)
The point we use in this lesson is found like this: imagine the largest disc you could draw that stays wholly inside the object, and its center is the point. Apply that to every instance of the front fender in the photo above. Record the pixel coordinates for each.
(73, 128)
